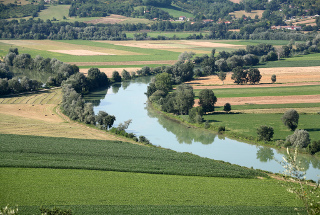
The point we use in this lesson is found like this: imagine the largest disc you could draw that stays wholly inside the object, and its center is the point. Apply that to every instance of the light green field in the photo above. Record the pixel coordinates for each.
(265, 91)
(28, 187)
(176, 12)
(56, 11)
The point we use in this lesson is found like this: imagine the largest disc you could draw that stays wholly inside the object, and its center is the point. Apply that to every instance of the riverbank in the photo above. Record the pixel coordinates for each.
(216, 121)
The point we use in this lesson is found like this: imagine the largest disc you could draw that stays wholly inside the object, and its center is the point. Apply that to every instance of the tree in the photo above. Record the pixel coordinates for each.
(207, 99)
(239, 75)
(116, 76)
(195, 115)
(163, 82)
(265, 133)
(125, 75)
(227, 107)
(184, 98)
(104, 120)
(290, 119)
(300, 138)
(273, 78)
(253, 75)
(123, 126)
(314, 147)
(222, 76)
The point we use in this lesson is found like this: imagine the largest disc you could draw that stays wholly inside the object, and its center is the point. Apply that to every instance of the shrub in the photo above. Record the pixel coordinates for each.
(55, 211)
(265, 133)
(290, 119)
(227, 107)
(314, 147)
(300, 138)
(221, 129)
(273, 78)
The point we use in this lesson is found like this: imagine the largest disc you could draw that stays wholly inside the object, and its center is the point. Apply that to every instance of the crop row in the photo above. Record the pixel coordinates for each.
(50, 152)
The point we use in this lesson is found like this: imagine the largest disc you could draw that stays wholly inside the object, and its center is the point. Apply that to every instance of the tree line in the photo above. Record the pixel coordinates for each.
(40, 29)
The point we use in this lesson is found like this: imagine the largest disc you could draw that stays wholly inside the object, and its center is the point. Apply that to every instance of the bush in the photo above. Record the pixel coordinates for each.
(300, 138)
(265, 133)
(55, 211)
(314, 147)
(221, 129)
(273, 78)
(290, 119)
(227, 107)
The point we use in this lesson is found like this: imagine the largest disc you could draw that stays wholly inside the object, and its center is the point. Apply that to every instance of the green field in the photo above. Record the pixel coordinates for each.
(176, 12)
(265, 91)
(99, 177)
(246, 124)
(50, 152)
(271, 106)
(88, 191)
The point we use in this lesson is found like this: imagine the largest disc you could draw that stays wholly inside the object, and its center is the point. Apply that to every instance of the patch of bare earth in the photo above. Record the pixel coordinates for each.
(79, 52)
(112, 19)
(170, 62)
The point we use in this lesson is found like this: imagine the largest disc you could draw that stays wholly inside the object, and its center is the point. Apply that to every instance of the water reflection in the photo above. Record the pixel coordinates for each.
(183, 134)
(264, 154)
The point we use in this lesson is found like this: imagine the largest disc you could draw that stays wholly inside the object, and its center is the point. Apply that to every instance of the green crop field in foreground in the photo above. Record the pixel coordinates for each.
(265, 91)
(247, 124)
(89, 189)
(51, 152)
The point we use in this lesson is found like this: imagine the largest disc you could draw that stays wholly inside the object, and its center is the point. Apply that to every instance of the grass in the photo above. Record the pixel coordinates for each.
(56, 11)
(297, 61)
(126, 193)
(176, 12)
(265, 91)
(246, 124)
(51, 152)
(271, 106)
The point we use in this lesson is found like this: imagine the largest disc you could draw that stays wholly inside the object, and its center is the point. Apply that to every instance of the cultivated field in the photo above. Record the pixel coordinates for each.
(252, 14)
(39, 115)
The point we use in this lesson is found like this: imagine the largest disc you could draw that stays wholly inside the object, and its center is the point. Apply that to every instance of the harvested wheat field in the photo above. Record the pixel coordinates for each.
(80, 52)
(112, 19)
(122, 63)
(252, 14)
(175, 45)
(33, 115)
(285, 76)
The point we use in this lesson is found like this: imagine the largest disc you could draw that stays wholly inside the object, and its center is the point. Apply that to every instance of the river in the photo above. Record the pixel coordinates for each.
(128, 101)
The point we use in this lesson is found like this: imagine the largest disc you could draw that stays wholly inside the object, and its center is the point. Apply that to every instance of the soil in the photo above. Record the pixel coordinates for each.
(170, 62)
(112, 19)
(79, 52)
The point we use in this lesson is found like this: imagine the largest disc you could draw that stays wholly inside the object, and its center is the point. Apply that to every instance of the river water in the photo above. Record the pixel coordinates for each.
(128, 101)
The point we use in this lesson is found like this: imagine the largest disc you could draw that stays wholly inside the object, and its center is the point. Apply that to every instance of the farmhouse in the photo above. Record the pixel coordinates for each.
(296, 28)
(182, 18)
